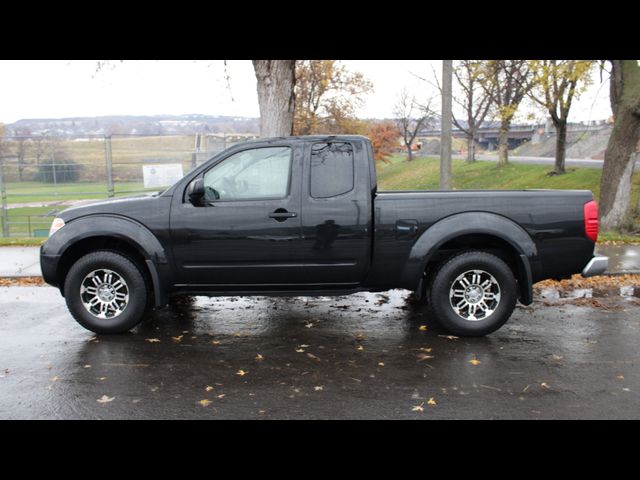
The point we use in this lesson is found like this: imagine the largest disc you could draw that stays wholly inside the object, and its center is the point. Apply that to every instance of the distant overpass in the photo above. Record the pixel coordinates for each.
(487, 137)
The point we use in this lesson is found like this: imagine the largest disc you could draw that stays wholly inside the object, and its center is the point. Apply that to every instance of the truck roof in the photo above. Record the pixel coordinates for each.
(307, 138)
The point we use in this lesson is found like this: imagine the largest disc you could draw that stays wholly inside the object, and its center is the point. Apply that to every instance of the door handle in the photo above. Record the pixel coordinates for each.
(280, 215)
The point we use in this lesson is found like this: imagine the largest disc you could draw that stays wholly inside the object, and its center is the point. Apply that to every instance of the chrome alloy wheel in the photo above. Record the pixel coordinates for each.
(474, 295)
(104, 293)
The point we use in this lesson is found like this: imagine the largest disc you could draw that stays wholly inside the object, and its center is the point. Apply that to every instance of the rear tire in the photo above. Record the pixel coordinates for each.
(106, 292)
(473, 294)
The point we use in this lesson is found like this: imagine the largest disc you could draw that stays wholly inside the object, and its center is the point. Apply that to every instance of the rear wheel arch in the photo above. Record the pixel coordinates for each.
(480, 231)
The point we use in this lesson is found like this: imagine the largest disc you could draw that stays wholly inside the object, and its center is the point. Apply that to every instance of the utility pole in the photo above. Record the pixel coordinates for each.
(445, 126)
(3, 193)
(108, 158)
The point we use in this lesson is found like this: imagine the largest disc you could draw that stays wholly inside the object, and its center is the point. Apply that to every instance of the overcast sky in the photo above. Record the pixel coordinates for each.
(57, 89)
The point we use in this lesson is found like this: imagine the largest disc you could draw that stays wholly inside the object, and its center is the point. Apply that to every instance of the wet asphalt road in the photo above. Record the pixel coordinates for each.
(356, 357)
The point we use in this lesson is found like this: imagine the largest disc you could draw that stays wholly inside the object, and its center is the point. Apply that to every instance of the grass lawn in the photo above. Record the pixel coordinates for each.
(23, 192)
(21, 241)
(423, 173)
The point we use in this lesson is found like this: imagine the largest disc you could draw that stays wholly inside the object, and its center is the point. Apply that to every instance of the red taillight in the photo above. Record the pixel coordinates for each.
(591, 220)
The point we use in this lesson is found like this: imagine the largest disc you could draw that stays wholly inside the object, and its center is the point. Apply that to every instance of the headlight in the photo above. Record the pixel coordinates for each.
(57, 224)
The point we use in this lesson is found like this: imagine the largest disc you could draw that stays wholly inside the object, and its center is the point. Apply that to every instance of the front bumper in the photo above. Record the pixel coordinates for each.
(49, 267)
(596, 266)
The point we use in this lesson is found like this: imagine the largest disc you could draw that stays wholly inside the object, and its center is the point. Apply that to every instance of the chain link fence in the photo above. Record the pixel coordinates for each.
(41, 175)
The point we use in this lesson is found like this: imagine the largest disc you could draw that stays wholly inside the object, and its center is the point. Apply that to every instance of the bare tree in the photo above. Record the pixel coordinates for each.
(623, 146)
(410, 117)
(506, 82)
(475, 102)
(276, 96)
(22, 138)
(40, 142)
(470, 95)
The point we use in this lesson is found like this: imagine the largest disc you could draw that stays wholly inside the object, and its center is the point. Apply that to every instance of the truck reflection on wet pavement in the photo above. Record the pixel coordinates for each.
(360, 356)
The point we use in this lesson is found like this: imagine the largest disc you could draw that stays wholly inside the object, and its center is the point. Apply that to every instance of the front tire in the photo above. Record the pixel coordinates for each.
(106, 292)
(473, 294)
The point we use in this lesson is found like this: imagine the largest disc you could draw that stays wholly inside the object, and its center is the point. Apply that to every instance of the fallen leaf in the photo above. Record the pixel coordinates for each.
(153, 340)
(204, 402)
(449, 337)
(241, 372)
(177, 339)
(431, 401)
(209, 388)
(422, 328)
(300, 350)
(474, 361)
(360, 348)
(424, 356)
(215, 342)
(259, 357)
(418, 408)
(544, 385)
(380, 364)
(318, 388)
(105, 399)
(428, 350)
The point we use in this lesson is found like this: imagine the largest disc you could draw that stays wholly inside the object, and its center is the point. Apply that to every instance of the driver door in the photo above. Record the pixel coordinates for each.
(246, 235)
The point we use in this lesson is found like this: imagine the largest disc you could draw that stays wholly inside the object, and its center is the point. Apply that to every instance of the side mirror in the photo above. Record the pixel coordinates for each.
(195, 192)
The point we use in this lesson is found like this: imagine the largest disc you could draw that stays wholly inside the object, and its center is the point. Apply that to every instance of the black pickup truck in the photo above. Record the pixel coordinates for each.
(303, 216)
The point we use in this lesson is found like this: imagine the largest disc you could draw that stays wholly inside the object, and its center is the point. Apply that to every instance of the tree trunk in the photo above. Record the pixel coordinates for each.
(561, 146)
(615, 184)
(471, 149)
(503, 144)
(409, 152)
(619, 157)
(276, 96)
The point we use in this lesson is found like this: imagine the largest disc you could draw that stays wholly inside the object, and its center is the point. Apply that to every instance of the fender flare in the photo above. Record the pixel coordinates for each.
(472, 223)
(122, 228)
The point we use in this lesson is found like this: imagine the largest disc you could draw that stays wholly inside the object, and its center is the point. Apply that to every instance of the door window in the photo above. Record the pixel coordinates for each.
(331, 169)
(257, 174)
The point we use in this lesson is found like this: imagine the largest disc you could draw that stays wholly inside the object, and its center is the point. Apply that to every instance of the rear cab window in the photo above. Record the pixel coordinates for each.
(332, 169)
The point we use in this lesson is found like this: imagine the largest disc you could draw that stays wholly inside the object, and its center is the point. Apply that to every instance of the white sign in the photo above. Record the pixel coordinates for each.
(161, 175)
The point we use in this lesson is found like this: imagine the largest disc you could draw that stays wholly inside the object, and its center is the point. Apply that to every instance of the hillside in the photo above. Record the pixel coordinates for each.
(586, 144)
(135, 125)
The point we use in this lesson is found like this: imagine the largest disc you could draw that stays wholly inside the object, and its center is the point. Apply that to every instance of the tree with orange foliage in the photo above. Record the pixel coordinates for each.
(384, 139)
(328, 96)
